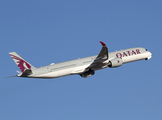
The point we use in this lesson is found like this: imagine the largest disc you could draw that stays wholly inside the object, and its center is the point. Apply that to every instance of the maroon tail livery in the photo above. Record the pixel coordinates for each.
(21, 63)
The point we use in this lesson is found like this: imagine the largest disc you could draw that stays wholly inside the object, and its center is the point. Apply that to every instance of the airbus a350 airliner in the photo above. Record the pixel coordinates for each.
(84, 67)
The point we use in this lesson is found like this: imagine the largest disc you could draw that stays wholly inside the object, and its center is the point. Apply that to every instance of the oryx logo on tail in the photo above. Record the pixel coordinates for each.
(21, 63)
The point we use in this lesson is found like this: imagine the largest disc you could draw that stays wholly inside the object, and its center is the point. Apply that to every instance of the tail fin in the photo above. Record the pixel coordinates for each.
(21, 63)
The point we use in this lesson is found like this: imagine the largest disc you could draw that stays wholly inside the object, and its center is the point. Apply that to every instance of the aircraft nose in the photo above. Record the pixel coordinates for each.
(149, 54)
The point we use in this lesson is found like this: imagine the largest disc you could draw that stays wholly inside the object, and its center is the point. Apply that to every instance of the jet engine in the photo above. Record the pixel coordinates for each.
(87, 73)
(115, 62)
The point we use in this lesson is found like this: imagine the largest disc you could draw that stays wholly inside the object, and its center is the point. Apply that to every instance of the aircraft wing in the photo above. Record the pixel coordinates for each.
(102, 56)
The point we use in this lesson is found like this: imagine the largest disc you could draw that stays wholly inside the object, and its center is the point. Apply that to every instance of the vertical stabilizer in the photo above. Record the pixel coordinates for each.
(21, 63)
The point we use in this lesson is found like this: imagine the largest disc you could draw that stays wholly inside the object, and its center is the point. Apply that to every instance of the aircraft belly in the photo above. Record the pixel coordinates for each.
(79, 69)
(55, 74)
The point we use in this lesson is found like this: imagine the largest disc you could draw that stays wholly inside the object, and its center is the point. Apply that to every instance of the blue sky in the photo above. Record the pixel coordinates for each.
(45, 32)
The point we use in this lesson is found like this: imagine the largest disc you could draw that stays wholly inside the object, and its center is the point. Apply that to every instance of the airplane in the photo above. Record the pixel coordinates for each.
(85, 67)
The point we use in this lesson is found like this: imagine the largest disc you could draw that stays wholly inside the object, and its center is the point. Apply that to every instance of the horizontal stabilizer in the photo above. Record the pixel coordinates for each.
(26, 73)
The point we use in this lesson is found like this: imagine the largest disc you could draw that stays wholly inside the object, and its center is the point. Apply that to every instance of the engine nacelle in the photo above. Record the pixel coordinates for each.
(87, 74)
(115, 62)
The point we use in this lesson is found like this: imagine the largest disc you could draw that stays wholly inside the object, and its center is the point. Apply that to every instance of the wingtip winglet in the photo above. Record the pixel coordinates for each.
(103, 44)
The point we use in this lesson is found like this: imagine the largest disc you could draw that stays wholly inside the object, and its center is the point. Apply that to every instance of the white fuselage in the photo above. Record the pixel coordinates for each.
(78, 66)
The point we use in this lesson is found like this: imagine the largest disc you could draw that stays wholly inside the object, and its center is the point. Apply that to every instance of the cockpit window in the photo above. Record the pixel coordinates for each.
(146, 49)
